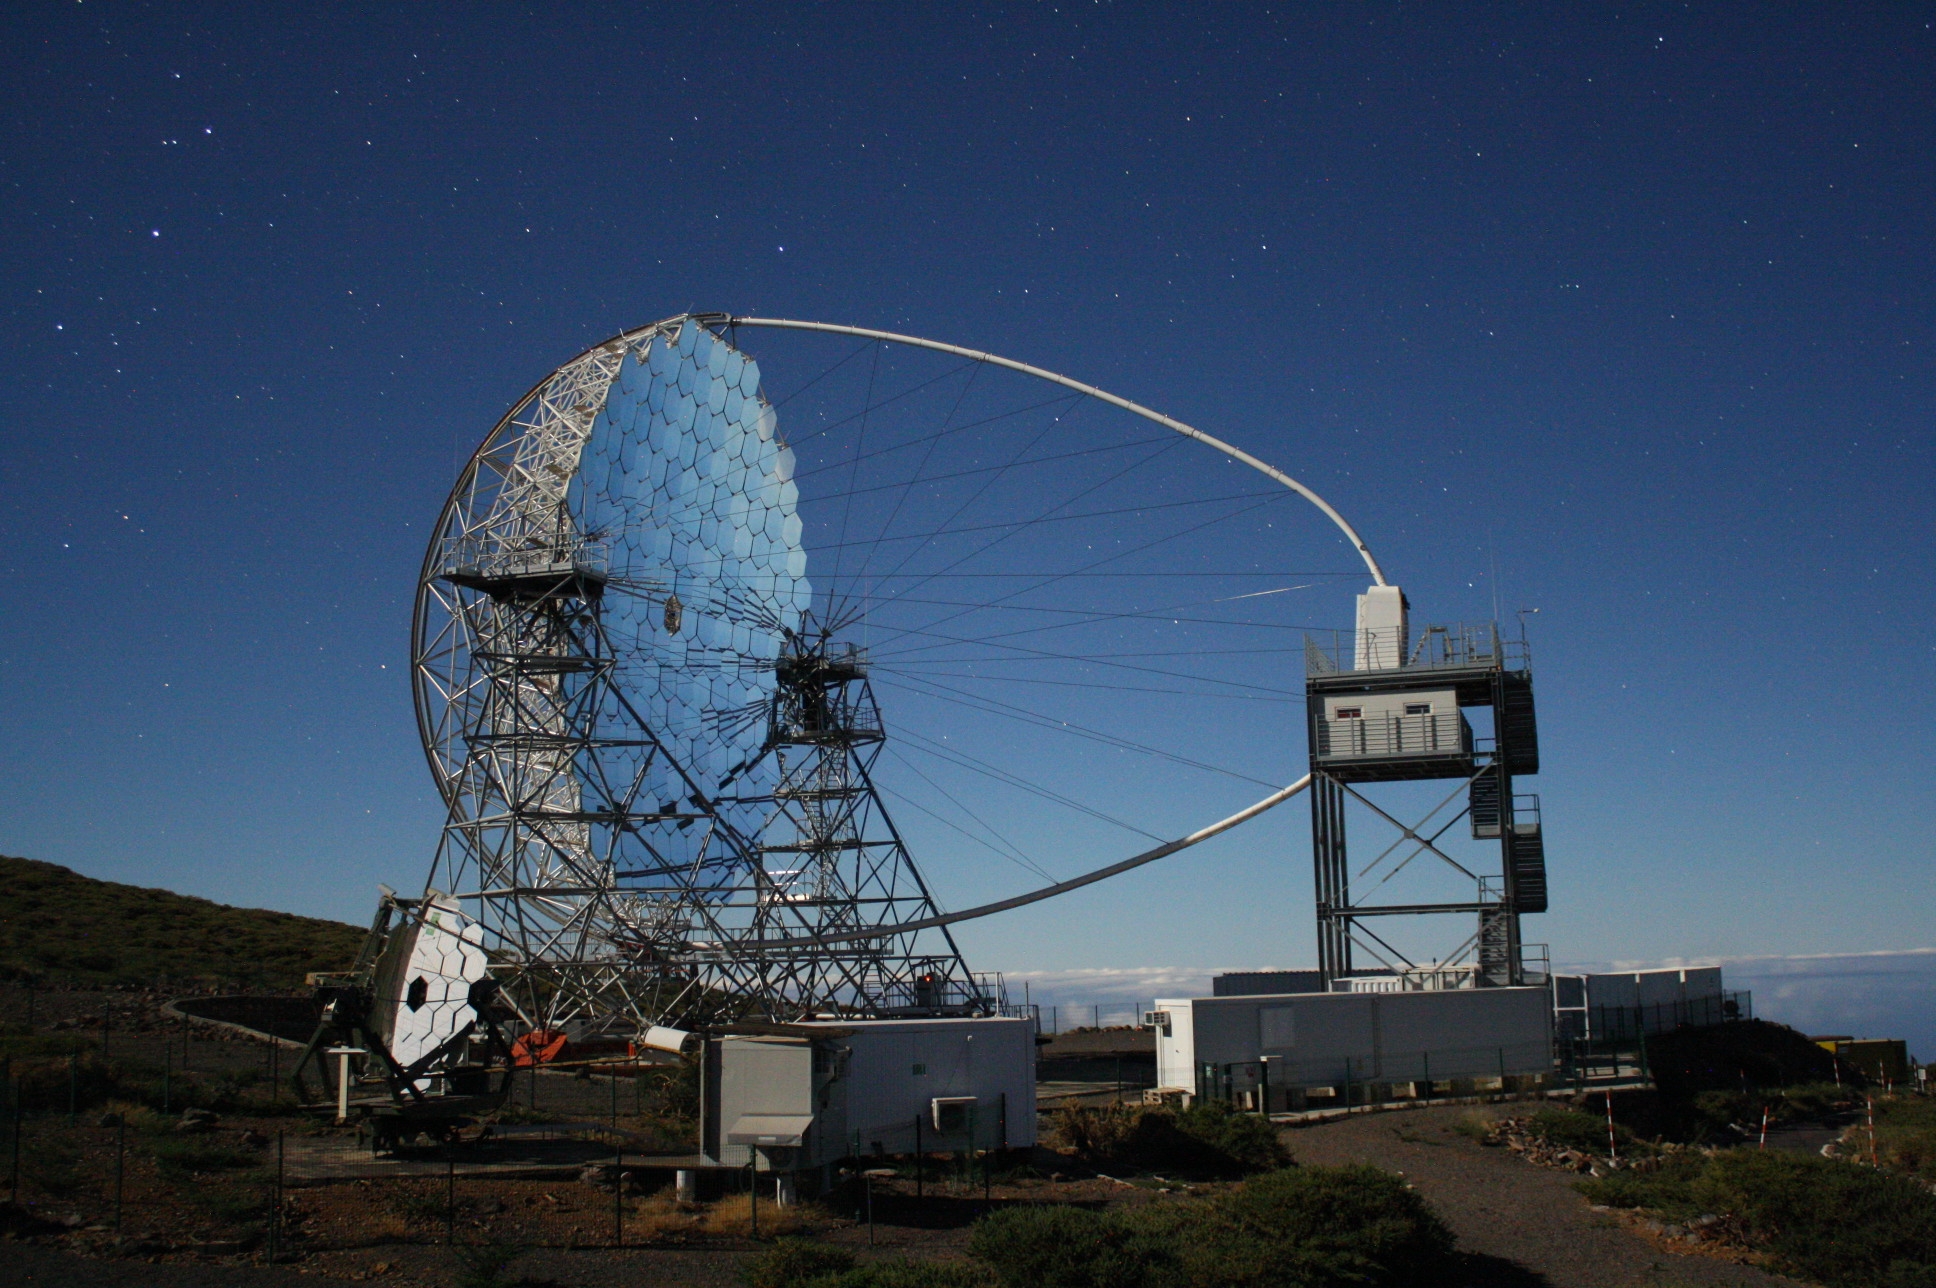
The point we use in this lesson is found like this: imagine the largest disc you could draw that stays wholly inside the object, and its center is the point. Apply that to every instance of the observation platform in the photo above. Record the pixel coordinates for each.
(1404, 722)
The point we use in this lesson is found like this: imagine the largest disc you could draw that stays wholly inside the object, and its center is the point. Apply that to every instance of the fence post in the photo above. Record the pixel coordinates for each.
(14, 1193)
(120, 1166)
(450, 1196)
(618, 1189)
(753, 1192)
(920, 1173)
(275, 1208)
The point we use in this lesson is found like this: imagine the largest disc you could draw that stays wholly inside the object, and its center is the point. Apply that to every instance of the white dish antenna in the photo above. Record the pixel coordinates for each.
(434, 989)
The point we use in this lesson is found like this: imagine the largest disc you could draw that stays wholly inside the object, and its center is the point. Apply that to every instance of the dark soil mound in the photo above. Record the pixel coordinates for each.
(1735, 1056)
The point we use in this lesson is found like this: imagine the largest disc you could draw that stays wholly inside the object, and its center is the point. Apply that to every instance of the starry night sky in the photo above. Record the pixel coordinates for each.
(1622, 313)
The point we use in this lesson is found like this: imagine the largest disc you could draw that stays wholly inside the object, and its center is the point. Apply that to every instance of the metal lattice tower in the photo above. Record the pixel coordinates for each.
(1393, 711)
(652, 758)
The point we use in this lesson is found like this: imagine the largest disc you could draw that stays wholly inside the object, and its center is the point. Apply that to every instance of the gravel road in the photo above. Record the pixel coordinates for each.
(1518, 1225)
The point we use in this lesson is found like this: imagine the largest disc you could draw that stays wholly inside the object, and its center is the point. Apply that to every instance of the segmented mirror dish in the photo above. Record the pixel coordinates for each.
(686, 492)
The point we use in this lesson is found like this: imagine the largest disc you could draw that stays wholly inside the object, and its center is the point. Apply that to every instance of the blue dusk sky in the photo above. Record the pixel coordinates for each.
(1620, 313)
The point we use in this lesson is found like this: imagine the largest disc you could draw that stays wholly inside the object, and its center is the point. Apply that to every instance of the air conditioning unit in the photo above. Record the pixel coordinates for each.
(1157, 1020)
(953, 1115)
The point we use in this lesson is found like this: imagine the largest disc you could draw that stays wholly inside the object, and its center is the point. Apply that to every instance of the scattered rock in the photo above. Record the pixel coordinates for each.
(108, 1120)
(196, 1120)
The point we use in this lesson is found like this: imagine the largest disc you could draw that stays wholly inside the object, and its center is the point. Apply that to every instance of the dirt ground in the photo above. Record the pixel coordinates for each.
(1518, 1226)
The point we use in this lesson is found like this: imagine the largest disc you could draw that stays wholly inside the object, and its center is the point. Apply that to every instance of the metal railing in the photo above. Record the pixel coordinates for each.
(1628, 1023)
(1353, 1077)
(1443, 733)
(1460, 646)
(553, 554)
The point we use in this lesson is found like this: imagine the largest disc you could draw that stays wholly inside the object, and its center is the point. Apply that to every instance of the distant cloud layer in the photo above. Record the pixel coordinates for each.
(1878, 994)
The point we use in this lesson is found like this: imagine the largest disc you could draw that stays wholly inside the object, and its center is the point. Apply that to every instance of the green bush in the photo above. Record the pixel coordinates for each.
(485, 1265)
(791, 1263)
(1905, 1130)
(1574, 1129)
(1838, 1223)
(1248, 1139)
(1667, 1189)
(907, 1274)
(180, 1156)
(796, 1263)
(1208, 1139)
(1068, 1247)
(1324, 1225)
(1315, 1227)
(1813, 1100)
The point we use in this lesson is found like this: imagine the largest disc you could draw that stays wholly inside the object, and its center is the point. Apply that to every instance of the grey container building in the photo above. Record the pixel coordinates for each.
(816, 1094)
(1237, 1047)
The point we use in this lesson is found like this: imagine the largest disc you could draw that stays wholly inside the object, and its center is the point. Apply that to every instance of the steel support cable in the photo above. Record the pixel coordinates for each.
(867, 405)
(1123, 688)
(991, 706)
(966, 761)
(847, 501)
(920, 470)
(1046, 655)
(1011, 854)
(1041, 519)
(1092, 488)
(1075, 454)
(1121, 554)
(1235, 453)
(1001, 473)
(1162, 851)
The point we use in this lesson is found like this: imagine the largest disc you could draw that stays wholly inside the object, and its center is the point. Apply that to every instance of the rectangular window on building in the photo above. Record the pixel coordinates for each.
(1418, 708)
(1348, 713)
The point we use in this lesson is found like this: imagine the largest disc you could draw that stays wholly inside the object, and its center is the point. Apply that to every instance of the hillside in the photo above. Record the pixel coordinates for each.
(61, 927)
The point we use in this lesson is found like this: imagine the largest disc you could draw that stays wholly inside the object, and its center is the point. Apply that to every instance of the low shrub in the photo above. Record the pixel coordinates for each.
(1845, 1225)
(1905, 1130)
(1208, 1139)
(1248, 1139)
(1813, 1100)
(905, 1274)
(180, 1156)
(1838, 1223)
(1314, 1227)
(791, 1263)
(1667, 1188)
(1574, 1129)
(1069, 1247)
(1321, 1226)
(485, 1265)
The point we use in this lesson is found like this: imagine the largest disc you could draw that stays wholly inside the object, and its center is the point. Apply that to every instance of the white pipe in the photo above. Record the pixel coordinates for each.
(1236, 454)
(1164, 850)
